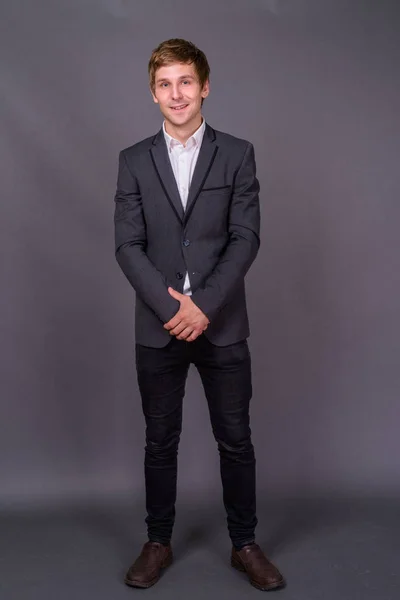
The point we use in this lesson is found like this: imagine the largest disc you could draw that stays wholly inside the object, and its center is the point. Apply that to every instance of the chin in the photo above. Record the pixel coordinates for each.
(181, 118)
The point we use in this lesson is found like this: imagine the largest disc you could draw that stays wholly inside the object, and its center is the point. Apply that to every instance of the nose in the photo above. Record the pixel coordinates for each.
(176, 92)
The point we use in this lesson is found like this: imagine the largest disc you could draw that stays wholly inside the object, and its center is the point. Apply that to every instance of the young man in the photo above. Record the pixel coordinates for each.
(186, 232)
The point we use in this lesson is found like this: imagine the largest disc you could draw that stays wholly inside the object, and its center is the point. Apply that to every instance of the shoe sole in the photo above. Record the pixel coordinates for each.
(272, 586)
(147, 584)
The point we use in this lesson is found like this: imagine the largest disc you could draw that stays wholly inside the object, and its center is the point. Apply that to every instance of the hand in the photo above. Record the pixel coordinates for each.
(189, 322)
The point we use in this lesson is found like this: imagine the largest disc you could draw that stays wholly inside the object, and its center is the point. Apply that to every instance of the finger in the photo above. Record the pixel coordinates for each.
(185, 333)
(178, 329)
(174, 293)
(174, 321)
(185, 321)
(194, 335)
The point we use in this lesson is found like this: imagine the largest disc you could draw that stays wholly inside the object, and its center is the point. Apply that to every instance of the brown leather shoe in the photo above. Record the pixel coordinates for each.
(146, 569)
(261, 572)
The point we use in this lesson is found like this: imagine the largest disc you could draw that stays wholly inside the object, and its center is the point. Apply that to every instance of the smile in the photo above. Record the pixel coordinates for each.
(178, 108)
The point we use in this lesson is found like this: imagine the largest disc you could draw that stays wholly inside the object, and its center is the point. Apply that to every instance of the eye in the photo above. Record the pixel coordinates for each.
(163, 84)
(186, 81)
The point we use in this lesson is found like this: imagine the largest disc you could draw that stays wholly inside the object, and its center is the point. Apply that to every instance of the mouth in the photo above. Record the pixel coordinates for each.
(179, 108)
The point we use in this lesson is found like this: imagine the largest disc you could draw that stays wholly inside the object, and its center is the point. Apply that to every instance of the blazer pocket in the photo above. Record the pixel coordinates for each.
(213, 189)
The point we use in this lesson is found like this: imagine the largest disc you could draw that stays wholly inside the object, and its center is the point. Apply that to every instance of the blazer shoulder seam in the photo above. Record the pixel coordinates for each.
(229, 137)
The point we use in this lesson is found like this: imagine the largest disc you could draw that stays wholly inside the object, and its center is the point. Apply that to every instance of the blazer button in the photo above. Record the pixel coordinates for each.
(179, 276)
(186, 242)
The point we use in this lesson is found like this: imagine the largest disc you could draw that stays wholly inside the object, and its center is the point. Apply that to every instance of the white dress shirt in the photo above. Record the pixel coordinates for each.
(183, 161)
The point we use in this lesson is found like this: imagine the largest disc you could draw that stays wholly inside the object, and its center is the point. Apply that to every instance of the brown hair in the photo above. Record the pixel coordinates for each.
(178, 50)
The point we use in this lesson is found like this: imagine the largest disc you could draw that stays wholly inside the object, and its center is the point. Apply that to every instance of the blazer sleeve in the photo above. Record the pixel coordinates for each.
(243, 245)
(130, 246)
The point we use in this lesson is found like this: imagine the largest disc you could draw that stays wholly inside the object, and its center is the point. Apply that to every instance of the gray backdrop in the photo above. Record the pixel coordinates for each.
(314, 84)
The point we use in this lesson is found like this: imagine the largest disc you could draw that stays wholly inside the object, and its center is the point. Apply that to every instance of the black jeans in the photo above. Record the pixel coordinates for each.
(226, 376)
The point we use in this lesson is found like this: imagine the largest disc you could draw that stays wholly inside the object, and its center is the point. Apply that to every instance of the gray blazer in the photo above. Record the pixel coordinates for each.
(215, 239)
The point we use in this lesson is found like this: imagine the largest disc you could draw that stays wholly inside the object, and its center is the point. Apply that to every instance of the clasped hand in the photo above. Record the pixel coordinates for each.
(189, 322)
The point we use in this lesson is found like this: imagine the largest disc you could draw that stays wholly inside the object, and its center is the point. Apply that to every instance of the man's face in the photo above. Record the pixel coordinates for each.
(179, 94)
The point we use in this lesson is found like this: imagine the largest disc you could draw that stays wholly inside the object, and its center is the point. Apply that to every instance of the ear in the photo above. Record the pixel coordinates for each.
(206, 89)
(154, 98)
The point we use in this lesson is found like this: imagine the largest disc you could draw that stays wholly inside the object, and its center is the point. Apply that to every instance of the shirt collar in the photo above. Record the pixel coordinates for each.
(196, 139)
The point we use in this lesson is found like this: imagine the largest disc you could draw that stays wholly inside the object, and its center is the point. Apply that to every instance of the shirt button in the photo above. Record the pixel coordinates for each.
(186, 242)
(179, 275)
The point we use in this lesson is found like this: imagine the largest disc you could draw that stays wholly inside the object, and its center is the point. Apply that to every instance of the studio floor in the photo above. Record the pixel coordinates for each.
(345, 549)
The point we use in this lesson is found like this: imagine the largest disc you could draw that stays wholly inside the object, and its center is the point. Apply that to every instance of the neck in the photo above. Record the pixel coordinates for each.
(184, 132)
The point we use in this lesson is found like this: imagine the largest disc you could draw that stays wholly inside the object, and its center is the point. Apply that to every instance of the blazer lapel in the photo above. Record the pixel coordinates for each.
(162, 165)
(204, 163)
(163, 168)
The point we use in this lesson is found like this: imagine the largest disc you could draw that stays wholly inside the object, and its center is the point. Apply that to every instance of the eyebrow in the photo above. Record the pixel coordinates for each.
(181, 77)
